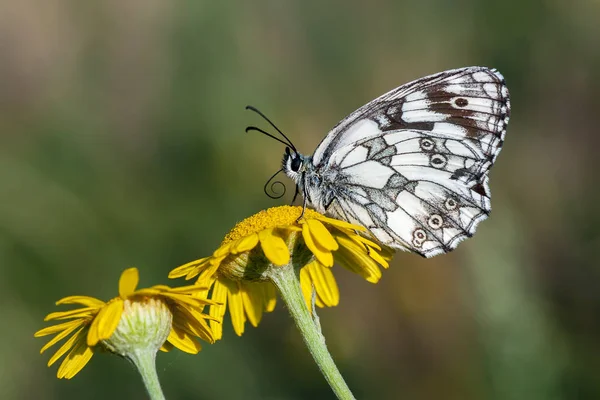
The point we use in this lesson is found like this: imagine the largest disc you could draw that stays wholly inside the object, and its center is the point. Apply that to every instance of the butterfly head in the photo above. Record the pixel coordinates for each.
(293, 164)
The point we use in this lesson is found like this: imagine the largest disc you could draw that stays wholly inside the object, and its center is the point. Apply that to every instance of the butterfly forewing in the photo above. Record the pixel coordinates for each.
(412, 164)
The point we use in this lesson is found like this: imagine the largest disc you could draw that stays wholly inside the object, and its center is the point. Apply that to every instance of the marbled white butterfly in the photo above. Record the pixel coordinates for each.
(412, 165)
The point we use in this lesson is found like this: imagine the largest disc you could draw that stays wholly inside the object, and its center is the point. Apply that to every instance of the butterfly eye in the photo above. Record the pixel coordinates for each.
(287, 151)
(295, 164)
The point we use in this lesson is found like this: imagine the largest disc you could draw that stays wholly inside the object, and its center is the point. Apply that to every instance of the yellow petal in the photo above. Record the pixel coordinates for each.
(342, 224)
(128, 282)
(208, 283)
(166, 347)
(75, 360)
(321, 235)
(325, 284)
(193, 323)
(367, 246)
(150, 292)
(49, 330)
(269, 296)
(246, 243)
(190, 269)
(219, 295)
(369, 271)
(360, 240)
(87, 312)
(183, 300)
(353, 257)
(253, 302)
(319, 303)
(377, 257)
(105, 322)
(236, 307)
(67, 329)
(222, 251)
(274, 247)
(191, 289)
(183, 341)
(307, 288)
(324, 256)
(209, 271)
(87, 301)
(73, 341)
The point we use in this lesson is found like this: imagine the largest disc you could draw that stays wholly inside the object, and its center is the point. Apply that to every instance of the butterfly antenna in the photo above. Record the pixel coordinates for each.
(254, 128)
(270, 187)
(288, 143)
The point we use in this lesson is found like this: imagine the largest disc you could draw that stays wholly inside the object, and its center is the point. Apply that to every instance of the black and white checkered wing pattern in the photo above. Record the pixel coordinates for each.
(412, 165)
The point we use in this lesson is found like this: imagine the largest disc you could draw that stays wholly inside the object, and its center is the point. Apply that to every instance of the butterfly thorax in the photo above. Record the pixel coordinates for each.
(313, 183)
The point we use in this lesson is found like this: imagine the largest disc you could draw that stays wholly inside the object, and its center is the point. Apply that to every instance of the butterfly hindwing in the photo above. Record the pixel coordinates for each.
(412, 164)
(409, 196)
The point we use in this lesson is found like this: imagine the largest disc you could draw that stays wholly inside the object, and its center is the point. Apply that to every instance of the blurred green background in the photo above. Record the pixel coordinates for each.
(122, 144)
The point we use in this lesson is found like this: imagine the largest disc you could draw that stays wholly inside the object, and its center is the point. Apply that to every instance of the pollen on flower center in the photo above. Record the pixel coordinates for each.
(270, 218)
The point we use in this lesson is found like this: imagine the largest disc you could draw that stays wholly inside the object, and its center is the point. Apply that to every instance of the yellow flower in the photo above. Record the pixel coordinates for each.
(159, 317)
(238, 271)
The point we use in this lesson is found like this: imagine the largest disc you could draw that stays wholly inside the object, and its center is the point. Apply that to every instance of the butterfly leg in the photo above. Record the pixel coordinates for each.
(304, 197)
(303, 209)
(295, 194)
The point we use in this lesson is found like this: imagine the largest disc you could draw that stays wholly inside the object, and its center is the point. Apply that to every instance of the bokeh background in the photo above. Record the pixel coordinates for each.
(122, 144)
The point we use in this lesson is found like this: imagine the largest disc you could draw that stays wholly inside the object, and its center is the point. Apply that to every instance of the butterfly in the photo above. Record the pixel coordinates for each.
(412, 165)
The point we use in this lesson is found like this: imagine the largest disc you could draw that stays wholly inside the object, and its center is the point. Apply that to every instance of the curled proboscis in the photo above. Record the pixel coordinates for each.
(271, 187)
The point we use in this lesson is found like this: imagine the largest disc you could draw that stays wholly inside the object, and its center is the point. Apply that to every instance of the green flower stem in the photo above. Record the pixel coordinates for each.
(286, 280)
(145, 362)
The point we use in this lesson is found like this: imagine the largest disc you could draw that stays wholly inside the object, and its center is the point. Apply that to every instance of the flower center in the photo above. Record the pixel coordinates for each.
(270, 218)
(145, 324)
